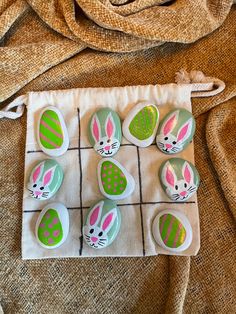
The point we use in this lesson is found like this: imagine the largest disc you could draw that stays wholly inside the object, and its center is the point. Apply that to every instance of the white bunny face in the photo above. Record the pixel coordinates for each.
(178, 190)
(39, 188)
(166, 141)
(106, 145)
(96, 229)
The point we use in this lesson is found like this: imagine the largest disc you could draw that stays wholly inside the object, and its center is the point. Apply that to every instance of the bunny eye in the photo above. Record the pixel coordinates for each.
(174, 142)
(41, 188)
(91, 231)
(101, 143)
(34, 186)
(166, 138)
(185, 185)
(100, 234)
(109, 140)
(176, 187)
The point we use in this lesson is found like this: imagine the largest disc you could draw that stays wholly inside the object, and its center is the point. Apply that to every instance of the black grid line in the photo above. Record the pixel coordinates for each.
(80, 186)
(140, 199)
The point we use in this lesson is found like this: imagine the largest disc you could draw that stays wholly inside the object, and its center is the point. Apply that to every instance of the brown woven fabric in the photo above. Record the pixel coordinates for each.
(32, 56)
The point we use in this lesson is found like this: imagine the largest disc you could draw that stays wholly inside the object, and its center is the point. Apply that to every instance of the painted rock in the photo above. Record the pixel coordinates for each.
(172, 231)
(105, 132)
(52, 132)
(140, 125)
(45, 179)
(179, 179)
(114, 180)
(175, 131)
(102, 224)
(52, 226)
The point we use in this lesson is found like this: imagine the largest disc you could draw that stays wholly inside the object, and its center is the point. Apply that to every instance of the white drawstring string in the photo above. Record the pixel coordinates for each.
(19, 104)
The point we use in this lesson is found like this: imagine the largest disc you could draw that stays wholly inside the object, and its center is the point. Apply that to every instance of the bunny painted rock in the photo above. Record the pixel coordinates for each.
(172, 230)
(52, 132)
(105, 132)
(175, 131)
(179, 179)
(45, 179)
(140, 125)
(52, 226)
(114, 180)
(102, 224)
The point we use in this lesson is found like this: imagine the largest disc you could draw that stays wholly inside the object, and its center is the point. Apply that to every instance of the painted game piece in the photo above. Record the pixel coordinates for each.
(175, 131)
(104, 132)
(52, 226)
(179, 179)
(52, 132)
(102, 224)
(172, 231)
(114, 180)
(140, 125)
(45, 179)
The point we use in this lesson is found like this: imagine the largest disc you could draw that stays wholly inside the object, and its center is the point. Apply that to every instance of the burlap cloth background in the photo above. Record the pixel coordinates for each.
(31, 59)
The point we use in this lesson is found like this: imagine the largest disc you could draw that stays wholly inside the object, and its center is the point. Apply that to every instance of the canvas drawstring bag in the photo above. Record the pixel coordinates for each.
(80, 188)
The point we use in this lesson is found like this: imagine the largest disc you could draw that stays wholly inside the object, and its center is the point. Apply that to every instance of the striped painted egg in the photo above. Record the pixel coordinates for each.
(52, 226)
(172, 230)
(52, 132)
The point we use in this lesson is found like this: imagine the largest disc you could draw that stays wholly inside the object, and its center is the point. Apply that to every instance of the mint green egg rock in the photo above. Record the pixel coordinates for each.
(45, 179)
(104, 132)
(102, 224)
(175, 131)
(179, 179)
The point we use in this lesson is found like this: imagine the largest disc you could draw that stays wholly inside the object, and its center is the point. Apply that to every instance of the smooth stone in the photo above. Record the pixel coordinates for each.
(102, 224)
(52, 132)
(52, 226)
(179, 179)
(104, 131)
(114, 180)
(172, 230)
(45, 179)
(175, 131)
(140, 125)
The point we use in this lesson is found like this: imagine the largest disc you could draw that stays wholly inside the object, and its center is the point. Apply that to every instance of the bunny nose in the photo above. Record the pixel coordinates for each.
(168, 145)
(183, 193)
(37, 193)
(107, 147)
(94, 239)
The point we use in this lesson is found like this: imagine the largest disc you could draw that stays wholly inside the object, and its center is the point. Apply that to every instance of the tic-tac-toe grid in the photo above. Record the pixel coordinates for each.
(80, 190)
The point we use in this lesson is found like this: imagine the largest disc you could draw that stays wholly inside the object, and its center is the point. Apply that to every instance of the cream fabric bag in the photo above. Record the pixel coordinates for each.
(80, 189)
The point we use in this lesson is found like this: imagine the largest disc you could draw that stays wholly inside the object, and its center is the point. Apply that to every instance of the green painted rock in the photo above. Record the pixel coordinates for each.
(52, 226)
(114, 180)
(140, 125)
(175, 131)
(52, 132)
(104, 131)
(102, 224)
(45, 179)
(179, 179)
(172, 231)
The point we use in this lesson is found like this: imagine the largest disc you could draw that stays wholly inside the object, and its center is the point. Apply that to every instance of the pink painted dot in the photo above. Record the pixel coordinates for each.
(110, 166)
(103, 175)
(109, 172)
(109, 179)
(48, 216)
(121, 188)
(121, 182)
(116, 177)
(116, 170)
(104, 167)
(50, 241)
(114, 190)
(56, 233)
(109, 186)
(115, 184)
(122, 175)
(46, 233)
(50, 226)
(42, 225)
(103, 183)
(55, 221)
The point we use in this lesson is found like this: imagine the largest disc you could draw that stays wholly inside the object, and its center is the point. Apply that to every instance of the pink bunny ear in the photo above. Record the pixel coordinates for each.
(95, 128)
(110, 126)
(108, 220)
(185, 131)
(187, 172)
(95, 214)
(170, 123)
(48, 176)
(169, 177)
(37, 173)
